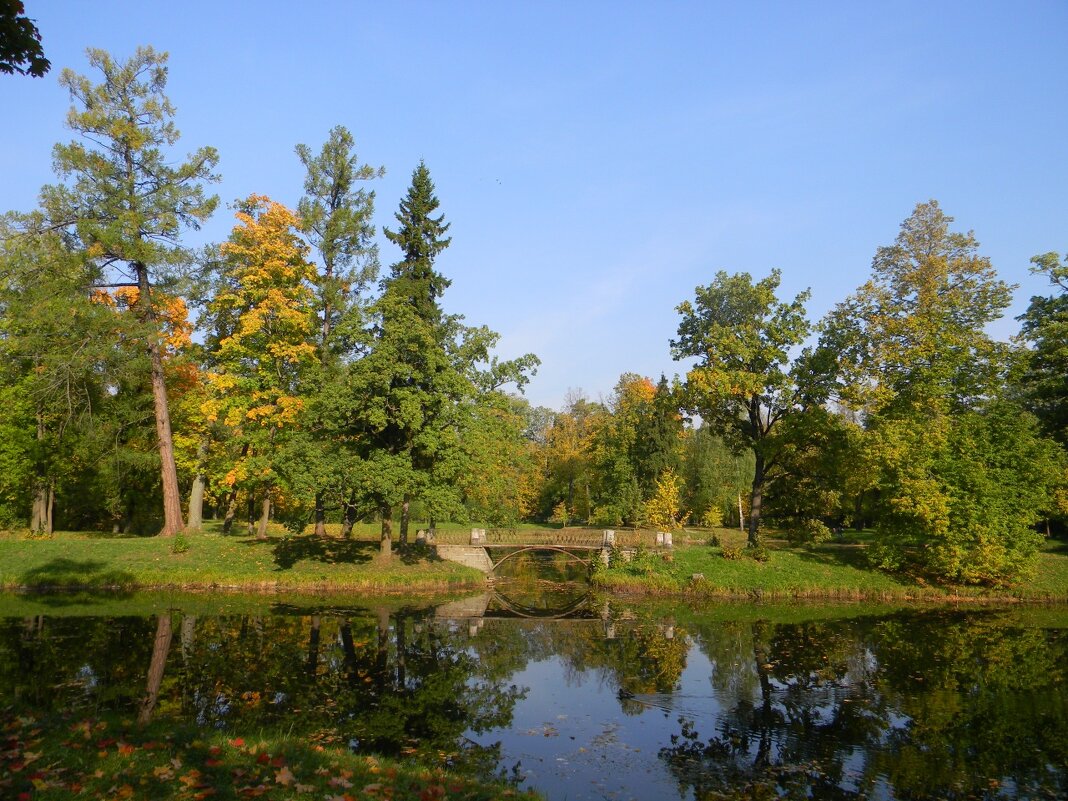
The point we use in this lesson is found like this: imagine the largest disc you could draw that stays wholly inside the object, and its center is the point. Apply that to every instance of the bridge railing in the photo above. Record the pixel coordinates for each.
(624, 538)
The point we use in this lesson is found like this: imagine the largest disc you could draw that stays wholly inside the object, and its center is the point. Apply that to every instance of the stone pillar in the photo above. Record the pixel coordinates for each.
(609, 538)
(478, 536)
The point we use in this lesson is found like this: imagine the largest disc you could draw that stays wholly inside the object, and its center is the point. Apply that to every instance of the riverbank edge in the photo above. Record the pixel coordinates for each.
(691, 572)
(623, 590)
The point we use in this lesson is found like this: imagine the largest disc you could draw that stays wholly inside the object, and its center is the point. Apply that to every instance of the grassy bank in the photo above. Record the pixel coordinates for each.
(309, 564)
(72, 757)
(829, 571)
(211, 560)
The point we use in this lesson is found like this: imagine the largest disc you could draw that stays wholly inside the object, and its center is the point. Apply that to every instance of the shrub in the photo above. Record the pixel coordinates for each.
(732, 553)
(758, 553)
(808, 529)
(180, 544)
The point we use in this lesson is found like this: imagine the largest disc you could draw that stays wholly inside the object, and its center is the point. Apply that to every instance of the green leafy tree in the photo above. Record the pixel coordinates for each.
(1045, 324)
(56, 354)
(126, 203)
(957, 494)
(741, 335)
(20, 42)
(265, 329)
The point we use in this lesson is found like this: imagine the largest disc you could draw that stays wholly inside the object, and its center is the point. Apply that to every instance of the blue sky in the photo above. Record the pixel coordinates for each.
(598, 160)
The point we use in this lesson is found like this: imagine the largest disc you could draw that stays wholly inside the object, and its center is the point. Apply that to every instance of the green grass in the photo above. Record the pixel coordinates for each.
(309, 564)
(48, 759)
(282, 562)
(827, 571)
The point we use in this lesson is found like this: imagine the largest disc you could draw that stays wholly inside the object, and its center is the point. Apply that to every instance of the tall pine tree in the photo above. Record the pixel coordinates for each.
(127, 203)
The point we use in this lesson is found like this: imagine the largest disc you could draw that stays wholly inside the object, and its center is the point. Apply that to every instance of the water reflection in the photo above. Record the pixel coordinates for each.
(610, 702)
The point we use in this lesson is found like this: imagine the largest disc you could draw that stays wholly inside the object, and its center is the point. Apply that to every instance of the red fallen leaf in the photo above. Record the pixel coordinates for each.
(278, 761)
(125, 749)
(106, 743)
(215, 750)
(237, 742)
(204, 794)
(151, 745)
(263, 758)
(15, 767)
(213, 763)
(25, 797)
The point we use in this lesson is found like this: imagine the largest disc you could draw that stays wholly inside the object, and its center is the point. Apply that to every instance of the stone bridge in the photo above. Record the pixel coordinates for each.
(487, 556)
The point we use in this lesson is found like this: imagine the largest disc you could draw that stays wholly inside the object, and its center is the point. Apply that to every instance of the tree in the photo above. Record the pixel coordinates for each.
(409, 386)
(1045, 323)
(951, 459)
(265, 329)
(57, 353)
(127, 204)
(335, 214)
(664, 509)
(20, 42)
(415, 392)
(741, 335)
(421, 237)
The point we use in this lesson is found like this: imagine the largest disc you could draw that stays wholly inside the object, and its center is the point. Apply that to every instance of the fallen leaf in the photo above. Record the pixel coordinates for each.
(284, 777)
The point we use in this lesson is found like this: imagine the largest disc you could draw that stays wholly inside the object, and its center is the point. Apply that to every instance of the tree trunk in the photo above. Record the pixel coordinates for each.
(348, 648)
(160, 648)
(50, 508)
(320, 515)
(403, 539)
(231, 512)
(755, 500)
(188, 635)
(39, 516)
(313, 646)
(382, 652)
(385, 546)
(349, 520)
(172, 502)
(402, 647)
(251, 524)
(265, 516)
(196, 494)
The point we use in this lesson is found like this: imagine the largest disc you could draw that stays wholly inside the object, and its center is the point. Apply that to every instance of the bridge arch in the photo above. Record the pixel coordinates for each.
(523, 610)
(526, 548)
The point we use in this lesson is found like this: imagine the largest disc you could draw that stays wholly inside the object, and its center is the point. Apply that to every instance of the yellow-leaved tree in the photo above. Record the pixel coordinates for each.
(262, 348)
(664, 510)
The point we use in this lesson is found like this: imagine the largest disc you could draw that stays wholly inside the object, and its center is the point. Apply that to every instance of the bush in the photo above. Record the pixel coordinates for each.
(758, 553)
(180, 544)
(713, 540)
(808, 530)
(732, 553)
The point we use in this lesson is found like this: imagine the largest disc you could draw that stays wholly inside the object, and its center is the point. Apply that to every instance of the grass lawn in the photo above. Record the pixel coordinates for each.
(282, 562)
(306, 563)
(826, 571)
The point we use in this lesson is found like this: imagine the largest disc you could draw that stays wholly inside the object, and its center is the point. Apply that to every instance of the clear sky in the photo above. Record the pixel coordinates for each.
(598, 160)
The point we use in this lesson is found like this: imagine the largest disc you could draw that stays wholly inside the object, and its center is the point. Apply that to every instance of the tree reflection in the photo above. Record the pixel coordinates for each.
(912, 706)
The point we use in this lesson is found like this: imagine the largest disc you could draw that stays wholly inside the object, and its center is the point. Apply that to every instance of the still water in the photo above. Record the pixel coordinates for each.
(582, 698)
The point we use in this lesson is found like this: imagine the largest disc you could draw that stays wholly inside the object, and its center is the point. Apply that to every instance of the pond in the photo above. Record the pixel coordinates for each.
(581, 697)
